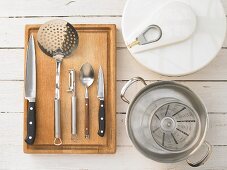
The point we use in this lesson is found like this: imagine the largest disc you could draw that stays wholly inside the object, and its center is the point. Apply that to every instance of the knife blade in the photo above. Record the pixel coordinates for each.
(30, 91)
(101, 131)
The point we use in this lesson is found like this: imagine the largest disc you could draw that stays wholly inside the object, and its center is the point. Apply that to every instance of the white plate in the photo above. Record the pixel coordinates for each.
(193, 33)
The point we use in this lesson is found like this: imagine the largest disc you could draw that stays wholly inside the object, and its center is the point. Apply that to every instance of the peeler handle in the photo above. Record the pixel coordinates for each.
(128, 84)
(73, 105)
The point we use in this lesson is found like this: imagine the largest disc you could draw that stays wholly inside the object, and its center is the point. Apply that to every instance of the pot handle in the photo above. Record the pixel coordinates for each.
(129, 83)
(204, 159)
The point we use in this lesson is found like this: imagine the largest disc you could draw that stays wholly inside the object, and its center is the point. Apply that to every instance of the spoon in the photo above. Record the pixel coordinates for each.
(86, 78)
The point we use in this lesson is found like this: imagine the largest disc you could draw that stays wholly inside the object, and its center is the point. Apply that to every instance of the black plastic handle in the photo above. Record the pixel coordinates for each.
(101, 131)
(31, 124)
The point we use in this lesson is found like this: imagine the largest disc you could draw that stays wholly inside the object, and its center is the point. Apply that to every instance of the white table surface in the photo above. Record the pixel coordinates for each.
(210, 83)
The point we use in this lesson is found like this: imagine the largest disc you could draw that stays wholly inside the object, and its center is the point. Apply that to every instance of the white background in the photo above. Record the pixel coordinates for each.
(210, 83)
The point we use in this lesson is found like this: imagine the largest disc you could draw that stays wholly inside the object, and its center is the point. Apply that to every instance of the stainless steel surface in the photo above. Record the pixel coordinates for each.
(72, 89)
(57, 106)
(151, 34)
(30, 91)
(57, 39)
(128, 84)
(86, 77)
(57, 123)
(100, 84)
(30, 81)
(57, 83)
(174, 125)
(72, 81)
(142, 108)
(74, 117)
(204, 159)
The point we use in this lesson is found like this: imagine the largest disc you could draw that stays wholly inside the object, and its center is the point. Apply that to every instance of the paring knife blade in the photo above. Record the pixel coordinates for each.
(30, 91)
(101, 131)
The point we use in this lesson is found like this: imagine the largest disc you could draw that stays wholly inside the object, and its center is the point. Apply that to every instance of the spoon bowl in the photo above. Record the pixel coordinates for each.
(86, 75)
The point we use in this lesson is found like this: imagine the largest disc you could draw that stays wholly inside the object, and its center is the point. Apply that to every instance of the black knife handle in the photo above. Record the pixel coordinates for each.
(31, 124)
(101, 131)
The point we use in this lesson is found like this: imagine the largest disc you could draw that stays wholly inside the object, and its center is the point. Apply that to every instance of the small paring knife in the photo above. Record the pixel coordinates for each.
(30, 91)
(101, 131)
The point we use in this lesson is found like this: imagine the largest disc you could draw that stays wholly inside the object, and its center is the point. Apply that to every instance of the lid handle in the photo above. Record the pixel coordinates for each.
(128, 84)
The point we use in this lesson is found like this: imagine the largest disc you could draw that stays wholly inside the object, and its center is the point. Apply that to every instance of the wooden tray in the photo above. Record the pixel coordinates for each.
(96, 46)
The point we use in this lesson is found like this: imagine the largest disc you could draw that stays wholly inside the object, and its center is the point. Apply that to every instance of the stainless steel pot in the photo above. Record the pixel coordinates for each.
(167, 122)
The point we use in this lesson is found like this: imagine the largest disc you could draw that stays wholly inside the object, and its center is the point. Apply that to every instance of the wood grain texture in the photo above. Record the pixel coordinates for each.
(216, 134)
(126, 157)
(12, 68)
(13, 123)
(128, 67)
(213, 94)
(96, 46)
(42, 8)
(61, 8)
(16, 26)
(14, 37)
(14, 15)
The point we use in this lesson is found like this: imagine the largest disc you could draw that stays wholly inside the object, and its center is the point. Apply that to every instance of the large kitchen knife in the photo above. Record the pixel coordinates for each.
(100, 96)
(30, 91)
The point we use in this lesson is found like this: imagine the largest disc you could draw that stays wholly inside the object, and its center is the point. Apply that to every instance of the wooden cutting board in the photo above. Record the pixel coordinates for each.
(96, 46)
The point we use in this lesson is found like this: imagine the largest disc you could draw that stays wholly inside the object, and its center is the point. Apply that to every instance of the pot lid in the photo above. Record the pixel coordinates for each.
(192, 33)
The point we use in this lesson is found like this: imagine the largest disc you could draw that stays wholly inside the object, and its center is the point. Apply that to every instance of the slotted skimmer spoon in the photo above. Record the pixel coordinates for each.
(57, 39)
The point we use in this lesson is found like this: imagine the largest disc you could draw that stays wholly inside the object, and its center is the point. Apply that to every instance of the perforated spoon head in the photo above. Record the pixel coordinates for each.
(57, 38)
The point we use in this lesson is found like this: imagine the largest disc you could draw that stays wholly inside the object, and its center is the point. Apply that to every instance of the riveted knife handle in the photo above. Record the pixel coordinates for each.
(87, 118)
(31, 124)
(101, 131)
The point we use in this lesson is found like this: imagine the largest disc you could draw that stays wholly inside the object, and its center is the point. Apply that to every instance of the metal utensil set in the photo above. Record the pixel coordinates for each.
(58, 39)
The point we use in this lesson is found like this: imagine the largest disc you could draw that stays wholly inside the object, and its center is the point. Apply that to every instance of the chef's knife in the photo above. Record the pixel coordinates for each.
(30, 91)
(100, 96)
